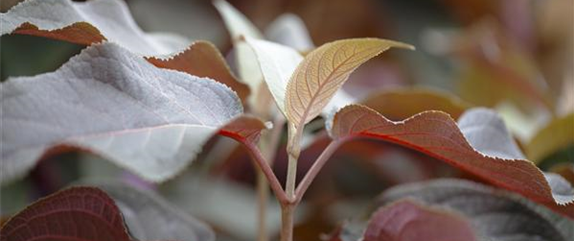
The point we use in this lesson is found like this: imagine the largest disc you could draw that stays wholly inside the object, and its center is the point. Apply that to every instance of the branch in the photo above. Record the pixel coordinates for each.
(266, 169)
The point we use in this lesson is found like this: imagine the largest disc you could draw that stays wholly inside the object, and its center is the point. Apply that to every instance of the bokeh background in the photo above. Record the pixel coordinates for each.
(515, 56)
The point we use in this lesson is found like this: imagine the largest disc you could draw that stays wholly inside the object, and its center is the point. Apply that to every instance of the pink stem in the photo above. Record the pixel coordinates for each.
(266, 169)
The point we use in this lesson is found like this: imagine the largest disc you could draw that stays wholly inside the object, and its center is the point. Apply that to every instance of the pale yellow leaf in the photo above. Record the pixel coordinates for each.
(323, 72)
(277, 63)
(239, 26)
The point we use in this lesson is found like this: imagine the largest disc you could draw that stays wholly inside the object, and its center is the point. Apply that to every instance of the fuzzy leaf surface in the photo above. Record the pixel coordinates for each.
(115, 104)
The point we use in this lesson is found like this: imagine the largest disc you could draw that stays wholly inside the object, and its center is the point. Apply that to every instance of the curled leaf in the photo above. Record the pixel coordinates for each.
(203, 59)
(323, 72)
(87, 23)
(78, 213)
(112, 103)
(95, 21)
(479, 144)
(407, 220)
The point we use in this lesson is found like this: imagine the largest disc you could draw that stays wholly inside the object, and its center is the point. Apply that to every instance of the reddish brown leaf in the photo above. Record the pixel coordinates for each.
(408, 221)
(246, 129)
(79, 33)
(436, 134)
(78, 213)
(203, 59)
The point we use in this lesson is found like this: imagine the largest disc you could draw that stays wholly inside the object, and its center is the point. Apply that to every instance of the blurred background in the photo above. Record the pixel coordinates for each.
(515, 56)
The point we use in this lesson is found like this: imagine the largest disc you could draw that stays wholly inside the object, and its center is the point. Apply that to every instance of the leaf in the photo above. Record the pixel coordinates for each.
(95, 21)
(149, 217)
(112, 103)
(479, 144)
(407, 220)
(238, 25)
(401, 103)
(245, 129)
(323, 72)
(495, 214)
(78, 213)
(288, 29)
(87, 23)
(557, 135)
(277, 63)
(203, 59)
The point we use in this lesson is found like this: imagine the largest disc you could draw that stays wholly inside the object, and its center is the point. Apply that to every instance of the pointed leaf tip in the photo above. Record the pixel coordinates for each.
(324, 70)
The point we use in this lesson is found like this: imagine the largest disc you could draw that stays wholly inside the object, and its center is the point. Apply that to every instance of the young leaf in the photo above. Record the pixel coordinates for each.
(557, 135)
(78, 213)
(323, 72)
(87, 23)
(203, 59)
(238, 25)
(277, 63)
(479, 144)
(488, 209)
(407, 220)
(110, 102)
(149, 217)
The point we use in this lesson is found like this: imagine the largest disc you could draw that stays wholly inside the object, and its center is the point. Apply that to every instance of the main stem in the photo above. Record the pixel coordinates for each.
(293, 150)
(287, 214)
(288, 208)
